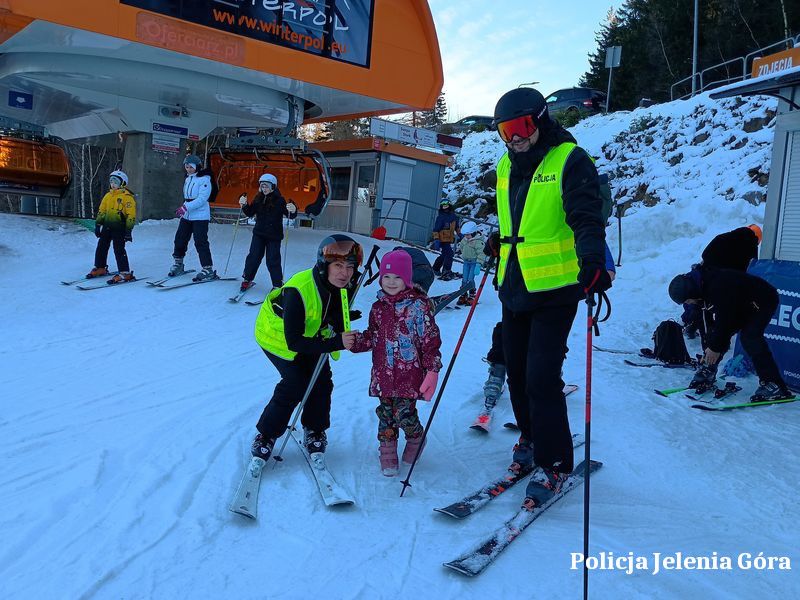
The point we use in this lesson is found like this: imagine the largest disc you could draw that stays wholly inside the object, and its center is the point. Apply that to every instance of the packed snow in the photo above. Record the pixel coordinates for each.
(127, 416)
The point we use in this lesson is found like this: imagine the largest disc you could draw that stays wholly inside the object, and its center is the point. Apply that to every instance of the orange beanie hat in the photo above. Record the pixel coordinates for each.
(757, 230)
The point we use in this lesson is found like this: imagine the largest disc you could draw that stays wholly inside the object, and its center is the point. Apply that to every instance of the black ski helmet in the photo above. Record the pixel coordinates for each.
(519, 102)
(338, 247)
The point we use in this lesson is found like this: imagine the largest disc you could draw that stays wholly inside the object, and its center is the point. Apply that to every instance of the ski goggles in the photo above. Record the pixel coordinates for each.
(345, 250)
(115, 180)
(523, 127)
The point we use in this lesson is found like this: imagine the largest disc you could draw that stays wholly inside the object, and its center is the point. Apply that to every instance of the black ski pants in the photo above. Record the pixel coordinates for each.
(495, 354)
(120, 254)
(535, 346)
(259, 248)
(199, 230)
(752, 338)
(295, 377)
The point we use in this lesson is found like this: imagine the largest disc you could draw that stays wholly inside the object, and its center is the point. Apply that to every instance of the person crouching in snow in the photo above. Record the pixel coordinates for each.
(116, 217)
(405, 341)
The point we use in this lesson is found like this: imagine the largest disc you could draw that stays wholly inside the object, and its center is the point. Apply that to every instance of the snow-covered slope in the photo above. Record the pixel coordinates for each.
(127, 416)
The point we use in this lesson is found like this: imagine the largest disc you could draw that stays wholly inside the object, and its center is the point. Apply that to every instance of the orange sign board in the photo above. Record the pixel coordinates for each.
(774, 63)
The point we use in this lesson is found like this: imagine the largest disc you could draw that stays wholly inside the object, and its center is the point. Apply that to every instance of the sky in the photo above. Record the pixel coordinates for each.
(543, 41)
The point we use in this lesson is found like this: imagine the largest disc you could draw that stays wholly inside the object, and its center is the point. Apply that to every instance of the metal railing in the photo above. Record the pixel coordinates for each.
(790, 42)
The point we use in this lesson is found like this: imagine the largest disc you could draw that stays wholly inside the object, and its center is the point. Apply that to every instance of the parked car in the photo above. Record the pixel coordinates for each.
(578, 99)
(470, 123)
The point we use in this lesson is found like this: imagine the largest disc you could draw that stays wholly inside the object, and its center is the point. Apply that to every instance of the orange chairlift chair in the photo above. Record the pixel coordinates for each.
(303, 174)
(31, 164)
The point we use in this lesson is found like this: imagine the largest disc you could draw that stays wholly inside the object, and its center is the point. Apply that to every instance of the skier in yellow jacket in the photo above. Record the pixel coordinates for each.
(114, 225)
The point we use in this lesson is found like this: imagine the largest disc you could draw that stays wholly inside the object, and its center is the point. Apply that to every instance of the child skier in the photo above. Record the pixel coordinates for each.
(195, 215)
(471, 246)
(116, 217)
(269, 208)
(404, 340)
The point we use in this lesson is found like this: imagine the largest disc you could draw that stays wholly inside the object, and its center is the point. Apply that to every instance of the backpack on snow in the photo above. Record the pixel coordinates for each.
(668, 344)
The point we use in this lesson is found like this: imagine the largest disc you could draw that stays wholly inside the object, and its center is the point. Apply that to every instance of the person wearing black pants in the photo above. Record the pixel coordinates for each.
(738, 302)
(551, 256)
(195, 215)
(298, 324)
(535, 344)
(116, 217)
(269, 208)
(295, 375)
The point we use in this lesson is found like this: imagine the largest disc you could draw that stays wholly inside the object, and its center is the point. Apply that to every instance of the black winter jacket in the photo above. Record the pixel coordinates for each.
(583, 208)
(732, 250)
(734, 298)
(269, 211)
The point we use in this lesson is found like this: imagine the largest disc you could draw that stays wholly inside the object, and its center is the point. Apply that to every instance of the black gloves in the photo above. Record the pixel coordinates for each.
(594, 278)
(128, 236)
(97, 229)
(355, 315)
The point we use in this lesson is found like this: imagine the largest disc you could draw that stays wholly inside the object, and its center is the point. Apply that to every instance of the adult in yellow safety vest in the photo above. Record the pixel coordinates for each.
(551, 255)
(299, 322)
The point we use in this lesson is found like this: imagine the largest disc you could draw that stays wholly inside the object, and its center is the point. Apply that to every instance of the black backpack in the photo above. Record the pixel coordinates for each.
(668, 344)
(422, 271)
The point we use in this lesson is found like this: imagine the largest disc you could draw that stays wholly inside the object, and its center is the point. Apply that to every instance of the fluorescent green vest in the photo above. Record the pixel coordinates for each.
(269, 326)
(545, 243)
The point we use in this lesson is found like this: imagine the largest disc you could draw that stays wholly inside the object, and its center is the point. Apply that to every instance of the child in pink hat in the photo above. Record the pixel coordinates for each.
(404, 340)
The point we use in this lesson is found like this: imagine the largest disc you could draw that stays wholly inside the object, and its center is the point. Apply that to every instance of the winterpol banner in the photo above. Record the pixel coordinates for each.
(336, 29)
(783, 332)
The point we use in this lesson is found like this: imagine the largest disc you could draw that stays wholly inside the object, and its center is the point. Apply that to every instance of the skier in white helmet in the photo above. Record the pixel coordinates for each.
(116, 217)
(268, 207)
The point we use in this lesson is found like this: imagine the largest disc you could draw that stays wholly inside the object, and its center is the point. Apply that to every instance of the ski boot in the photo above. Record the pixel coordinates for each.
(523, 457)
(463, 300)
(704, 378)
(388, 457)
(122, 277)
(544, 484)
(314, 441)
(494, 384)
(246, 285)
(97, 272)
(769, 390)
(262, 447)
(410, 451)
(176, 268)
(207, 274)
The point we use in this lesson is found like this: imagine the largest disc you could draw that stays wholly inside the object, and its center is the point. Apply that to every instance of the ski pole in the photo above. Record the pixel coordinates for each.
(235, 229)
(406, 482)
(321, 362)
(587, 436)
(285, 247)
(619, 236)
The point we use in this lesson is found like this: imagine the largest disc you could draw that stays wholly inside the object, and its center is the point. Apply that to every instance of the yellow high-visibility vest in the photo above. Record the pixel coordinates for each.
(545, 243)
(269, 326)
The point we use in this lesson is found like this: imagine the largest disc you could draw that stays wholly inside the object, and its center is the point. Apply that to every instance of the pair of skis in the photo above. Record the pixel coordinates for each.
(730, 389)
(245, 501)
(161, 284)
(476, 560)
(106, 284)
